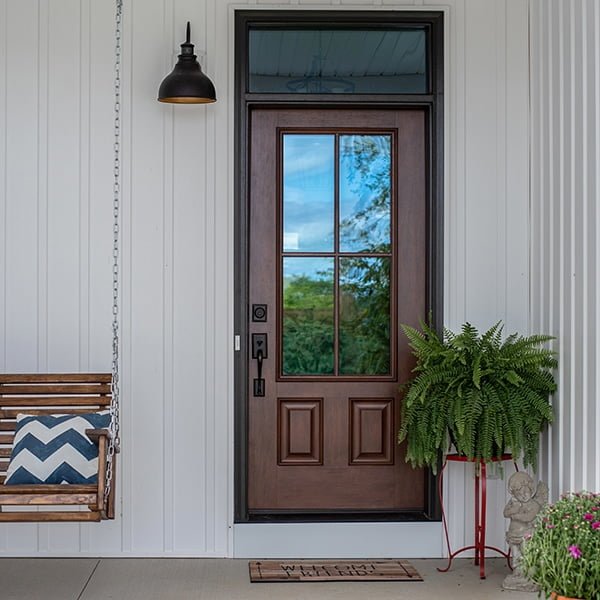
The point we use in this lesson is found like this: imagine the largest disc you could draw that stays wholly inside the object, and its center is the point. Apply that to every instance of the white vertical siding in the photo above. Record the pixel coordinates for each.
(176, 474)
(486, 211)
(565, 155)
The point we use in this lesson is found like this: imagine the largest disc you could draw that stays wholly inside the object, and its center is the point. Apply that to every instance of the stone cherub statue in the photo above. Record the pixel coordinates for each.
(526, 502)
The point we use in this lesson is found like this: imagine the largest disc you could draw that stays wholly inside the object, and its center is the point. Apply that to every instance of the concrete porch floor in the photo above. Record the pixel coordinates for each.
(227, 579)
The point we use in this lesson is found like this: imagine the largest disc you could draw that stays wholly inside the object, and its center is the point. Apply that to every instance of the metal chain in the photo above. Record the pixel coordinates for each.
(114, 441)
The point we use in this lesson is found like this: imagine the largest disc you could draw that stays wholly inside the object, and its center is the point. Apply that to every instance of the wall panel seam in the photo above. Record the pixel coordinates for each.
(126, 240)
(4, 180)
(561, 252)
(584, 239)
(547, 93)
(572, 217)
(43, 73)
(596, 367)
(501, 158)
(168, 151)
(85, 69)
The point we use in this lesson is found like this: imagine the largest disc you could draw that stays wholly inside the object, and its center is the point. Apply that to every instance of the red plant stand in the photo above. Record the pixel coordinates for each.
(480, 515)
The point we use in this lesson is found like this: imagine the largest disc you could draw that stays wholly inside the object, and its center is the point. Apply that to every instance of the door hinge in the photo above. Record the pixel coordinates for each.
(237, 343)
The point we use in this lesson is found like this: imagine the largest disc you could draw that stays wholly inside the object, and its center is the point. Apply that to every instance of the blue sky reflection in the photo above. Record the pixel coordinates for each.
(308, 192)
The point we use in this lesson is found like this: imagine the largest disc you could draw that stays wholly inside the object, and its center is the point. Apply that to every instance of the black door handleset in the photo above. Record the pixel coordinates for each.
(260, 351)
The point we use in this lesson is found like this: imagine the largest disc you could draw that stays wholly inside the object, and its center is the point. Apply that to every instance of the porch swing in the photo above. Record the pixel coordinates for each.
(66, 398)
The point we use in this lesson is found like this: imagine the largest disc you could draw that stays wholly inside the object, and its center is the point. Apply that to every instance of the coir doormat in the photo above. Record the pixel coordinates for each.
(266, 571)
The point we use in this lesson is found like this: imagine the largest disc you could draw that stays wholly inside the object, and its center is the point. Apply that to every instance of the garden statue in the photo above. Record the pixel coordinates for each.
(525, 503)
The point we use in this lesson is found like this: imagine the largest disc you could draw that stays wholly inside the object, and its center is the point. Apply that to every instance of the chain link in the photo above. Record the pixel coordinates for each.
(114, 441)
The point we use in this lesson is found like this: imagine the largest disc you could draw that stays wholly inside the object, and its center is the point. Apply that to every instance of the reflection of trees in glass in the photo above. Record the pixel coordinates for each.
(308, 324)
(365, 171)
(364, 316)
(365, 162)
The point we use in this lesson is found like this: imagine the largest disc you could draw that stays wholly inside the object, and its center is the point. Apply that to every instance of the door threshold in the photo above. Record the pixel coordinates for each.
(338, 540)
(339, 516)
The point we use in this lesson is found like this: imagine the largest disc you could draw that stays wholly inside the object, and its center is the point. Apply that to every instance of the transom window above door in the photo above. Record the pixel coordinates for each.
(344, 60)
(336, 253)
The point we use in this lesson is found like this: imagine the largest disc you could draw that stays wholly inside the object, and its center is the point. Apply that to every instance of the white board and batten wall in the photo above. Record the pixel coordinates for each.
(565, 226)
(176, 469)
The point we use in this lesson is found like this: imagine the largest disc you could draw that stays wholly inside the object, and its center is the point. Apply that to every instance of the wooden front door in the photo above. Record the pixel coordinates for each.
(337, 243)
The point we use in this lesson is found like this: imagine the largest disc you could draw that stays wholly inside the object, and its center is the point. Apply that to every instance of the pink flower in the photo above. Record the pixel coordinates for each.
(550, 526)
(588, 517)
(574, 551)
(596, 525)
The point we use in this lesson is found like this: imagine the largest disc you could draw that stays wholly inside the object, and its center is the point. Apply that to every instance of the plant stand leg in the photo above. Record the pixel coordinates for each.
(480, 510)
(477, 527)
(482, 519)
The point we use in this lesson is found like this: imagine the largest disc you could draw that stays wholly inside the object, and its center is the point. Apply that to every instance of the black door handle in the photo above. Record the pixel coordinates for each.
(259, 362)
(259, 352)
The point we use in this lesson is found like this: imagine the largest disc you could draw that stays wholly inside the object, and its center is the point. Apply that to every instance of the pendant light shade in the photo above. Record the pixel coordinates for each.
(186, 83)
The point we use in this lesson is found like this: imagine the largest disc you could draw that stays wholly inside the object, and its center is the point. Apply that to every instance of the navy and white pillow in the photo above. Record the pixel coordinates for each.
(54, 449)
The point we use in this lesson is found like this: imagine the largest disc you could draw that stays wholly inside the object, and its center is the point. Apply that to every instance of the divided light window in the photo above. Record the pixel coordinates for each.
(341, 60)
(337, 237)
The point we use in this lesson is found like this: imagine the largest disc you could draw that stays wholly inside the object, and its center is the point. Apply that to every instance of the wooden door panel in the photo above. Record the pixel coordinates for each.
(323, 443)
(300, 431)
(372, 431)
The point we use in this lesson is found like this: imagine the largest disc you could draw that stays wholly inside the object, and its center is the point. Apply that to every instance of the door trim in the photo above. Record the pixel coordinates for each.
(433, 104)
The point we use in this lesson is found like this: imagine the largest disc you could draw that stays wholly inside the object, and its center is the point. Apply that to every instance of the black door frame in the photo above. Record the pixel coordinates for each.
(244, 103)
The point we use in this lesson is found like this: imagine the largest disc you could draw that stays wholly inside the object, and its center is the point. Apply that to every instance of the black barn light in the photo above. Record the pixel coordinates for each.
(186, 83)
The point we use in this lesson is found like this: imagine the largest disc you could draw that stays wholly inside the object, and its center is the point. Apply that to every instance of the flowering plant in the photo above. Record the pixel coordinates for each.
(563, 553)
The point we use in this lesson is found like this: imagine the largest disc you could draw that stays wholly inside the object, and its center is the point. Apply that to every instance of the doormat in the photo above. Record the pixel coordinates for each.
(267, 571)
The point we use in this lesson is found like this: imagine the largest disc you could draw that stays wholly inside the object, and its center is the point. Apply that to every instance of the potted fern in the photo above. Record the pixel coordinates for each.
(483, 394)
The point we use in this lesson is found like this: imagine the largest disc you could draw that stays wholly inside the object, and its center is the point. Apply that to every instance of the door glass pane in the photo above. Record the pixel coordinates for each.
(365, 193)
(338, 61)
(308, 192)
(308, 326)
(364, 321)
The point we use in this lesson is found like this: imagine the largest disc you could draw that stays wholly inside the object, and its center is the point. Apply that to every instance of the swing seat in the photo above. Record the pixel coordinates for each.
(49, 394)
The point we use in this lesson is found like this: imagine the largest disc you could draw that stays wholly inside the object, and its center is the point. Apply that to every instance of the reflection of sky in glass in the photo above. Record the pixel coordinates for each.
(365, 191)
(308, 192)
(317, 269)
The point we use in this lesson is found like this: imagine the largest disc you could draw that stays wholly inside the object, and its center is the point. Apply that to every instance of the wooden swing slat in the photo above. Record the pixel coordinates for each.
(49, 499)
(50, 390)
(43, 488)
(49, 517)
(56, 378)
(40, 401)
(12, 413)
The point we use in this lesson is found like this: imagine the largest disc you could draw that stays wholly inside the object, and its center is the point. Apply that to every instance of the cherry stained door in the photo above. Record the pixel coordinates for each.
(337, 242)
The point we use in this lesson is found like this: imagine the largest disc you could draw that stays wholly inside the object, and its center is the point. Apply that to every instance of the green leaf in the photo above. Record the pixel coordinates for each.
(513, 378)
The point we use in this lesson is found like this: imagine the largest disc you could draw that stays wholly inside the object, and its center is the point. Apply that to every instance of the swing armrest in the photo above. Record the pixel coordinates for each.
(100, 437)
(96, 434)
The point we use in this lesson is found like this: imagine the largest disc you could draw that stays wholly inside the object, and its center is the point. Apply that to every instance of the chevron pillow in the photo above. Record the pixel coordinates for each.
(54, 449)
